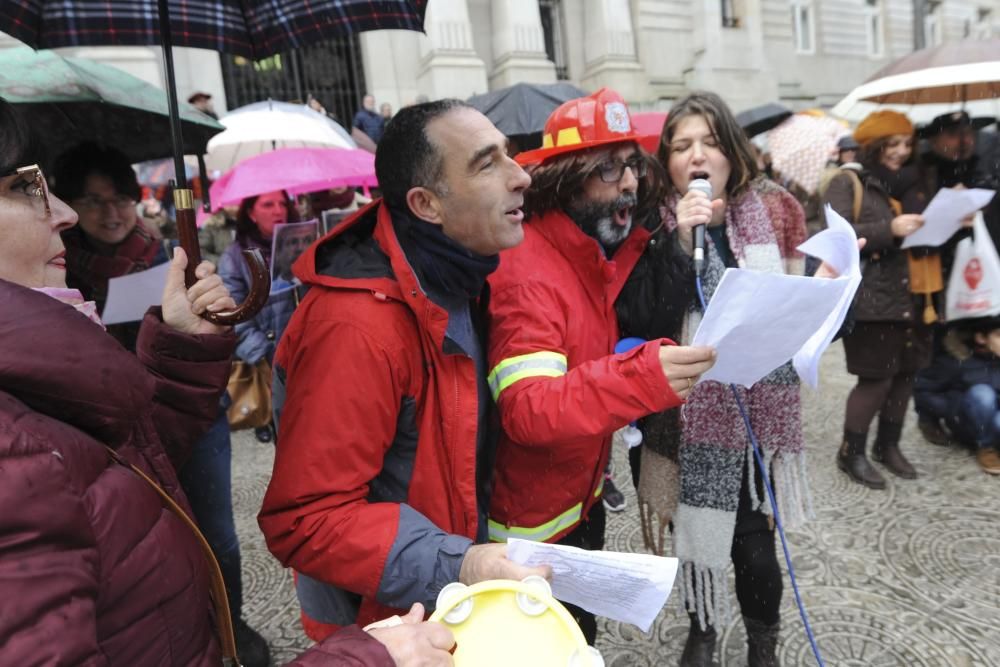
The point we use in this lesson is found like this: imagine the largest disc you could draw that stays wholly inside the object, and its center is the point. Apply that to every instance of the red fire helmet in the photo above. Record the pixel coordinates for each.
(586, 122)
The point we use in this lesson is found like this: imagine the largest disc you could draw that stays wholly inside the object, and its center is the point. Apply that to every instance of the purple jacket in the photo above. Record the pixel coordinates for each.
(93, 569)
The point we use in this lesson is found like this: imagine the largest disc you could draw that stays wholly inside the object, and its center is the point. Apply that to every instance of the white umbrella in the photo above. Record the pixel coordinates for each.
(924, 94)
(854, 111)
(956, 76)
(265, 126)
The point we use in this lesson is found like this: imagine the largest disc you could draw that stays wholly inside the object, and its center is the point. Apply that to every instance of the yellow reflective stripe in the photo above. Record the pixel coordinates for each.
(535, 364)
(546, 531)
(501, 533)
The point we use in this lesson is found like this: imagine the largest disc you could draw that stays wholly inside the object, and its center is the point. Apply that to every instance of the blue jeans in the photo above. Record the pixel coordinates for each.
(207, 481)
(977, 419)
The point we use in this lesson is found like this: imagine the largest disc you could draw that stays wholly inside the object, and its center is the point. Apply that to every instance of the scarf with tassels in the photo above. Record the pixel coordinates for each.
(692, 469)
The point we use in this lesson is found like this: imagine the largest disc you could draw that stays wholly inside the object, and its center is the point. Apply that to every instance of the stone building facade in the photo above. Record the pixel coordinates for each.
(804, 53)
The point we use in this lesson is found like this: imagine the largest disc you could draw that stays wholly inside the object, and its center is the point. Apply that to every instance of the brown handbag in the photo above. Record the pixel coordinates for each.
(217, 586)
(250, 390)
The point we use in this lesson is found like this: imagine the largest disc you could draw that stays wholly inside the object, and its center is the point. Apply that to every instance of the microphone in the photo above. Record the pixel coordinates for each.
(700, 185)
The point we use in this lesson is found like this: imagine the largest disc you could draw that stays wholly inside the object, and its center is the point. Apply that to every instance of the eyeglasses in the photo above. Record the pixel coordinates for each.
(94, 203)
(612, 171)
(34, 182)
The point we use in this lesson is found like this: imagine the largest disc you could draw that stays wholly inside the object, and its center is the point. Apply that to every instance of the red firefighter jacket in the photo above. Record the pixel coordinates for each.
(560, 389)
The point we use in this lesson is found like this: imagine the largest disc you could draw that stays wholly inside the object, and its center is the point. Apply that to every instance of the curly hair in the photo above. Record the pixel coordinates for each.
(557, 182)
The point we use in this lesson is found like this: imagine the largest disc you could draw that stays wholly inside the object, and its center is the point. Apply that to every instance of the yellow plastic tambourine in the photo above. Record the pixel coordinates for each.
(506, 623)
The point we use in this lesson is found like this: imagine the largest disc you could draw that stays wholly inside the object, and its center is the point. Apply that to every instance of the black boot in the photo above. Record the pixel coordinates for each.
(699, 647)
(264, 433)
(851, 459)
(762, 643)
(886, 450)
(251, 648)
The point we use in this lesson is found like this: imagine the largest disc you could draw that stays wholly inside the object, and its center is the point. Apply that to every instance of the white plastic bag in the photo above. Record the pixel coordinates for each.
(974, 284)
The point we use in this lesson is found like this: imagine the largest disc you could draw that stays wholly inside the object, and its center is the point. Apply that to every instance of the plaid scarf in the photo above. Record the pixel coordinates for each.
(89, 271)
(695, 458)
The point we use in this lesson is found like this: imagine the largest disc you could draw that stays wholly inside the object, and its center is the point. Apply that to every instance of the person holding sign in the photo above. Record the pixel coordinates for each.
(560, 388)
(258, 337)
(891, 339)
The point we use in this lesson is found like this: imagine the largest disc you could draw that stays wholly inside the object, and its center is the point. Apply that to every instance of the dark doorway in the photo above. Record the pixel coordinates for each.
(330, 71)
(552, 31)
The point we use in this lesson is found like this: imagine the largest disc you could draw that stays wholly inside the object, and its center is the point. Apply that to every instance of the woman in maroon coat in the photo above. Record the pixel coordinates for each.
(94, 570)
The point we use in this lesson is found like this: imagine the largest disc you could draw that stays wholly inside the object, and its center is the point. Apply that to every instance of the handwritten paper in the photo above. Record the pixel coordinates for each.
(130, 296)
(758, 321)
(943, 216)
(631, 588)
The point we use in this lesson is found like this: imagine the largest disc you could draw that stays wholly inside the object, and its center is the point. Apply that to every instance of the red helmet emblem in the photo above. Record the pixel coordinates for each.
(973, 273)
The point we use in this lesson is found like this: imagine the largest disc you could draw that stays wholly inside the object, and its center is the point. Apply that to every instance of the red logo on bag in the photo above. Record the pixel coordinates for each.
(973, 273)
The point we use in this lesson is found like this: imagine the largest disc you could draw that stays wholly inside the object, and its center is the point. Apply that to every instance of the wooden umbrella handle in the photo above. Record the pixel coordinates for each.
(260, 277)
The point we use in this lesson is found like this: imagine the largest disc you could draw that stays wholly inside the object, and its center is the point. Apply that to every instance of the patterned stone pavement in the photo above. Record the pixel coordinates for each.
(909, 576)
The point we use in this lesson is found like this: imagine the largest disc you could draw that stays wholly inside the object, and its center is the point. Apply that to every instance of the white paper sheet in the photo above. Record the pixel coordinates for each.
(129, 297)
(631, 588)
(758, 321)
(943, 216)
(837, 245)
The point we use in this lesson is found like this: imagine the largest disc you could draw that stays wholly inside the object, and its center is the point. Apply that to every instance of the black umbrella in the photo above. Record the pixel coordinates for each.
(523, 108)
(251, 28)
(763, 118)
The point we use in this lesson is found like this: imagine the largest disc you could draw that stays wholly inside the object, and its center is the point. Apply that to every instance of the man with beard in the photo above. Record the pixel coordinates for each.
(561, 390)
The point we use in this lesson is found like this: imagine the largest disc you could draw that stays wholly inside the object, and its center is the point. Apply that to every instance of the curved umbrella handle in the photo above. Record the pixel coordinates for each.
(260, 277)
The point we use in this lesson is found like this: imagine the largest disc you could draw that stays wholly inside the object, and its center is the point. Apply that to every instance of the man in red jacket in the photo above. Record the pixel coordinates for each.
(561, 390)
(378, 492)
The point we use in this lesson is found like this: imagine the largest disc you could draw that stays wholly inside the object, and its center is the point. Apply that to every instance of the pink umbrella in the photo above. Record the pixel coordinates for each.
(295, 170)
(801, 146)
(649, 124)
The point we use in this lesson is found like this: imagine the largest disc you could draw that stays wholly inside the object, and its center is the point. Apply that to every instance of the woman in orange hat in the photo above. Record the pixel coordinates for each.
(891, 340)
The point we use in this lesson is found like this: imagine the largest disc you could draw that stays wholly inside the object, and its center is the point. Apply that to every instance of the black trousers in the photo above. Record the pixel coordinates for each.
(755, 558)
(588, 535)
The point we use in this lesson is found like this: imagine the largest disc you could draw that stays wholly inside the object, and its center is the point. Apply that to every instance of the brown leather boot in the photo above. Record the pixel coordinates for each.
(851, 459)
(886, 450)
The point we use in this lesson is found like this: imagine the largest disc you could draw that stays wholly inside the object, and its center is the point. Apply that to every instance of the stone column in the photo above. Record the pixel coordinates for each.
(609, 48)
(449, 66)
(519, 45)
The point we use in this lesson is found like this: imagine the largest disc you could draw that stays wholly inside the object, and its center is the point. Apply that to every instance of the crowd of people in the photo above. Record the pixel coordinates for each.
(446, 377)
